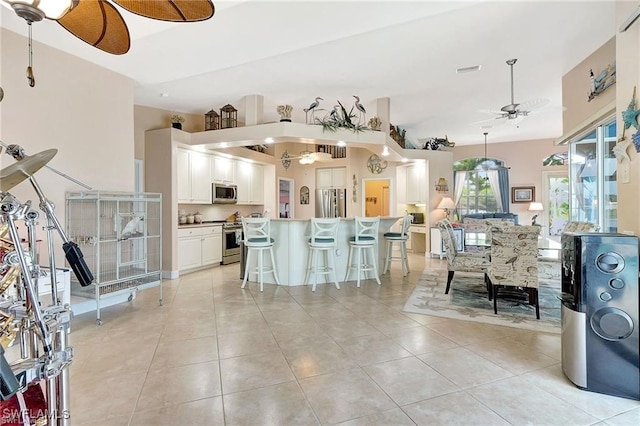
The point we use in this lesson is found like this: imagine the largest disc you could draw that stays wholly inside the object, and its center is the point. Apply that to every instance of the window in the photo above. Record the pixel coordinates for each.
(593, 167)
(477, 195)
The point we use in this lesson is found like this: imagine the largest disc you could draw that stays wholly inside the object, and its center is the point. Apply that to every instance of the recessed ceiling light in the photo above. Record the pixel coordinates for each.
(164, 95)
(468, 69)
(342, 143)
(404, 160)
(269, 140)
(385, 151)
(224, 145)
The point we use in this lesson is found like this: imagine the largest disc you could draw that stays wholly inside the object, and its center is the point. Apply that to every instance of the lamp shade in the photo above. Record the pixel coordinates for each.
(447, 204)
(442, 185)
(535, 207)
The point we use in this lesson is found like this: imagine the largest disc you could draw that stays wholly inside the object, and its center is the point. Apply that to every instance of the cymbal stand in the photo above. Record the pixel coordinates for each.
(13, 211)
(17, 152)
(50, 326)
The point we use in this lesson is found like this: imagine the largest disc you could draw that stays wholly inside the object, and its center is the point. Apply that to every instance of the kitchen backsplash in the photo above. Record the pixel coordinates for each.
(220, 212)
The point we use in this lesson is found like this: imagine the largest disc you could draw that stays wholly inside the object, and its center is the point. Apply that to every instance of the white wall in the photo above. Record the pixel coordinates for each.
(82, 110)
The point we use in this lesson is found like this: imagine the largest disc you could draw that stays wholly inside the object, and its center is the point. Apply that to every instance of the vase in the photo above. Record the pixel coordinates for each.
(176, 125)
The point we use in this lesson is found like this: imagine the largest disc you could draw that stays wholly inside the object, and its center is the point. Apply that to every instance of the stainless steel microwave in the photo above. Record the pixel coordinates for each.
(224, 193)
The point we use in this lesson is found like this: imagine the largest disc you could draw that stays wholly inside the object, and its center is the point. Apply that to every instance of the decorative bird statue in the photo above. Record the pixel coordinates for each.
(334, 113)
(312, 108)
(360, 107)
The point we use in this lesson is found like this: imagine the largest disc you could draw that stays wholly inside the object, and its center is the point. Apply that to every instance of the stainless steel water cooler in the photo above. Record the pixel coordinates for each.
(600, 313)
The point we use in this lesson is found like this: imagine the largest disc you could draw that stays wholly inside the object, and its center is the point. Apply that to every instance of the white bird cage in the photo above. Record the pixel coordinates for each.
(120, 235)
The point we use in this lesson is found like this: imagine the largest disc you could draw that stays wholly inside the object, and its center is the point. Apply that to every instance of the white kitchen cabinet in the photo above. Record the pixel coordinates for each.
(212, 247)
(334, 177)
(223, 170)
(416, 193)
(418, 238)
(194, 177)
(250, 181)
(199, 247)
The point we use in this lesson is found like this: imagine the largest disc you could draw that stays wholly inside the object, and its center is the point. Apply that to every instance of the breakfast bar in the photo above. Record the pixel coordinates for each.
(291, 249)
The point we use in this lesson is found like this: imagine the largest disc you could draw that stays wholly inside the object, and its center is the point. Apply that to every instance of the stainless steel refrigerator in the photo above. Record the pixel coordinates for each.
(331, 202)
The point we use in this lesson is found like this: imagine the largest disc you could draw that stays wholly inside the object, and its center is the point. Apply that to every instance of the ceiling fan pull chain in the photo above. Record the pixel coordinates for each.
(30, 77)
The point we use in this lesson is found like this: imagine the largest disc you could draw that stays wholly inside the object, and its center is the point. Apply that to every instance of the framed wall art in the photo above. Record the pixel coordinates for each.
(523, 194)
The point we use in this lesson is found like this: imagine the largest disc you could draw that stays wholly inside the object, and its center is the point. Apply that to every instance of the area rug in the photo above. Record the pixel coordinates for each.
(467, 300)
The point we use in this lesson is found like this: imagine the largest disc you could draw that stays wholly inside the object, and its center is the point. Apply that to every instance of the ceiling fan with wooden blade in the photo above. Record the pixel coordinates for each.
(100, 24)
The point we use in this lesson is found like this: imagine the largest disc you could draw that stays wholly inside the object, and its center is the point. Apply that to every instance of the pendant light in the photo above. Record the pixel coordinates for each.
(484, 165)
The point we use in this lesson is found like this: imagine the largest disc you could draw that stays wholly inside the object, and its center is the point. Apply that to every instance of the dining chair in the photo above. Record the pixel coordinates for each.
(458, 261)
(400, 238)
(577, 226)
(513, 270)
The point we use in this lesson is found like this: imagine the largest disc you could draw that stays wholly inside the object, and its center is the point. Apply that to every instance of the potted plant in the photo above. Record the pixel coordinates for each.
(176, 121)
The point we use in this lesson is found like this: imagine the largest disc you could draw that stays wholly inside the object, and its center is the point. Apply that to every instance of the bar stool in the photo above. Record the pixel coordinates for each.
(364, 242)
(398, 237)
(257, 238)
(324, 233)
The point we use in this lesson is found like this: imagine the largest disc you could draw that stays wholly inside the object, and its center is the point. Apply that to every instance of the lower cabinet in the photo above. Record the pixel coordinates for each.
(198, 247)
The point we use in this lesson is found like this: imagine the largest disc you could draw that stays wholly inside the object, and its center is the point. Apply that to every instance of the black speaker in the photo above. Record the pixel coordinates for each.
(600, 279)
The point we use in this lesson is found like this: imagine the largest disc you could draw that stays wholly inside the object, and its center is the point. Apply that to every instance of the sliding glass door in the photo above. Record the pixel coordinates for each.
(593, 187)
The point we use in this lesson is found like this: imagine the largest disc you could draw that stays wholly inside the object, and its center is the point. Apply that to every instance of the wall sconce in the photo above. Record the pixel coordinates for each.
(446, 204)
(286, 160)
(535, 207)
(442, 185)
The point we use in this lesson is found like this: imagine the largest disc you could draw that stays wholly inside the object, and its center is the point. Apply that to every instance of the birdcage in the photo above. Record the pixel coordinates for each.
(120, 236)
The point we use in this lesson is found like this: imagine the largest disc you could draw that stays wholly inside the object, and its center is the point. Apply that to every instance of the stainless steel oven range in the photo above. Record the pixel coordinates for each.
(231, 237)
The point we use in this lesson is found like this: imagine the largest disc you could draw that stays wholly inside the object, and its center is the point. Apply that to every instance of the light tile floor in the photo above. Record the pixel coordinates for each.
(214, 354)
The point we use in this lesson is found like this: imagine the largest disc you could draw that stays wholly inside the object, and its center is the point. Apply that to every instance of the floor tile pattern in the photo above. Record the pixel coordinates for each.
(214, 354)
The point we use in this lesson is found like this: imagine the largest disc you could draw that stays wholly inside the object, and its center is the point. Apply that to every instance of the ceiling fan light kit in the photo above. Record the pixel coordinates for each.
(37, 10)
(99, 23)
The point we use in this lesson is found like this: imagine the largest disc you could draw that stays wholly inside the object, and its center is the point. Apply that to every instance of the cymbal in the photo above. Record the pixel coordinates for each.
(20, 170)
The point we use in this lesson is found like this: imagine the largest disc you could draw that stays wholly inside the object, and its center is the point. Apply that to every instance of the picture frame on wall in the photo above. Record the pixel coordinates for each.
(523, 194)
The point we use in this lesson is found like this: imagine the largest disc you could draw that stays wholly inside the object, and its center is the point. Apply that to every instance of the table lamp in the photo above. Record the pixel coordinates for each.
(446, 204)
(535, 207)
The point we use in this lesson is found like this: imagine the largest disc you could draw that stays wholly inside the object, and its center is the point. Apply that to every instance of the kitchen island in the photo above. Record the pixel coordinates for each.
(291, 249)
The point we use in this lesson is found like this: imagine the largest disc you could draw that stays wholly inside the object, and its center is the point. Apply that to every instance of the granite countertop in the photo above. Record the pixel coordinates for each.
(203, 224)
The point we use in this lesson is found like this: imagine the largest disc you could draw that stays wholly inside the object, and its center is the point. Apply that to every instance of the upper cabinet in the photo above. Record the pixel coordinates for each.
(194, 177)
(250, 181)
(415, 185)
(335, 177)
(223, 170)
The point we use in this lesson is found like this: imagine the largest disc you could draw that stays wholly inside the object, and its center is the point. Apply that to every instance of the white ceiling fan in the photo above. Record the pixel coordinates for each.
(514, 111)
(306, 157)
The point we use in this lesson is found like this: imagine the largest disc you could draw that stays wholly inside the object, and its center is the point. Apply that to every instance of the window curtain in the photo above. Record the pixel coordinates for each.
(459, 178)
(499, 181)
(494, 181)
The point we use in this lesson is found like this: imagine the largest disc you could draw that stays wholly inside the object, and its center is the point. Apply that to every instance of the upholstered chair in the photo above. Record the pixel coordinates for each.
(514, 264)
(576, 226)
(483, 226)
(456, 261)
